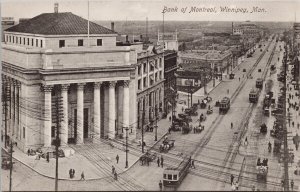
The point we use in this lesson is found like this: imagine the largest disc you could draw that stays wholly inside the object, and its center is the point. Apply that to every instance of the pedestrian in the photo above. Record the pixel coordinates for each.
(82, 176)
(113, 169)
(239, 79)
(116, 175)
(162, 161)
(170, 118)
(47, 157)
(237, 185)
(73, 173)
(298, 125)
(182, 109)
(160, 185)
(169, 130)
(231, 179)
(193, 164)
(28, 152)
(117, 158)
(158, 162)
(231, 125)
(293, 123)
(292, 185)
(70, 173)
(253, 188)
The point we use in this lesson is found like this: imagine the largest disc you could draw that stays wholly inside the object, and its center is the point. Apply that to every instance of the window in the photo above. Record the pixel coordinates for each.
(53, 131)
(145, 67)
(23, 132)
(175, 177)
(9, 38)
(139, 70)
(165, 176)
(41, 43)
(160, 62)
(169, 177)
(13, 39)
(24, 40)
(139, 84)
(16, 39)
(27, 41)
(36, 42)
(20, 40)
(80, 42)
(99, 42)
(61, 43)
(32, 42)
(145, 82)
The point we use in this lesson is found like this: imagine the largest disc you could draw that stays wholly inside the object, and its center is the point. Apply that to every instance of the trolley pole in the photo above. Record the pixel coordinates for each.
(126, 162)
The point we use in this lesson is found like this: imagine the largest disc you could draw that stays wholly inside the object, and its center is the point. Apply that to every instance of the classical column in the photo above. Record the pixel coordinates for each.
(80, 87)
(97, 125)
(47, 115)
(126, 105)
(64, 119)
(112, 109)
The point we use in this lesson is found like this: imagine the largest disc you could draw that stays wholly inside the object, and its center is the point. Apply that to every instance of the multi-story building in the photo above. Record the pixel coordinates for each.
(149, 83)
(296, 51)
(53, 56)
(170, 88)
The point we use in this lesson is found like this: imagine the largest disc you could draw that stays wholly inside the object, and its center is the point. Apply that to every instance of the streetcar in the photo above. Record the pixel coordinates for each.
(224, 105)
(259, 83)
(253, 95)
(172, 177)
(262, 169)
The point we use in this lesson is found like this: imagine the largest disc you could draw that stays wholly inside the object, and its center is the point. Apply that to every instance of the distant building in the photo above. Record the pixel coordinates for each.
(6, 23)
(52, 56)
(247, 29)
(169, 39)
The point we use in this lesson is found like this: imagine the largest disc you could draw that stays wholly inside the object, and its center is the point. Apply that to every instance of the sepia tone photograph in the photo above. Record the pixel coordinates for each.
(150, 95)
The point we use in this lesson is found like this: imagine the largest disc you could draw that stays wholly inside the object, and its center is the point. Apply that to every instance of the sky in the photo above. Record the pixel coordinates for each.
(113, 10)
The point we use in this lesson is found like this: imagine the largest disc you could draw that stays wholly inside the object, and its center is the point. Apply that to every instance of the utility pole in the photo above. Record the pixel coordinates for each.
(59, 117)
(143, 118)
(126, 162)
(155, 139)
(6, 96)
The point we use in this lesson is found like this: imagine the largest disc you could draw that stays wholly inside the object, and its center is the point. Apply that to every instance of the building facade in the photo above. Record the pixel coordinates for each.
(51, 64)
(149, 84)
(170, 88)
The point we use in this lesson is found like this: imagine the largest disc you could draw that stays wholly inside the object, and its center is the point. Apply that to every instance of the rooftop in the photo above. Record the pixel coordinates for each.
(205, 54)
(65, 23)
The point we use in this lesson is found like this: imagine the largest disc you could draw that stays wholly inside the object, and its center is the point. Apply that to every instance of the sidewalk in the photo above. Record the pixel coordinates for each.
(293, 130)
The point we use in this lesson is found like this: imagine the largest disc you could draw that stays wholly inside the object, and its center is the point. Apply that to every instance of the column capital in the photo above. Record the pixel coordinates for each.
(47, 88)
(65, 87)
(112, 84)
(97, 85)
(126, 83)
(80, 86)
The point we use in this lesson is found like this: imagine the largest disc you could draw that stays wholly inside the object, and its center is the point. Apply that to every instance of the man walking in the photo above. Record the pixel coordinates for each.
(158, 161)
(82, 176)
(292, 185)
(117, 158)
(160, 185)
(47, 157)
(162, 161)
(231, 179)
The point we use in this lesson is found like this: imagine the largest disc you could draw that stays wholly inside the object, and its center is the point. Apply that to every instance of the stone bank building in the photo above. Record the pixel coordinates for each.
(51, 58)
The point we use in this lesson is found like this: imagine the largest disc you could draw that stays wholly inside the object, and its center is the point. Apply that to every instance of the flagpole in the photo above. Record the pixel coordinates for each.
(88, 23)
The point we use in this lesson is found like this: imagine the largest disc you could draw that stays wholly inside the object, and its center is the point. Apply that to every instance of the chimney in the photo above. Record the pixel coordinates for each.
(112, 26)
(55, 7)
